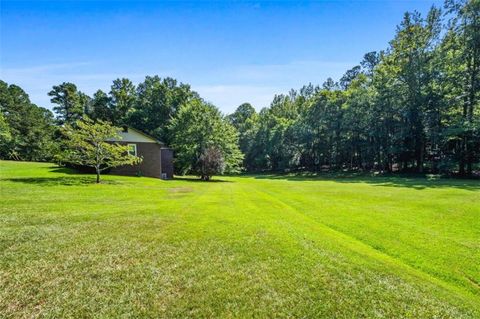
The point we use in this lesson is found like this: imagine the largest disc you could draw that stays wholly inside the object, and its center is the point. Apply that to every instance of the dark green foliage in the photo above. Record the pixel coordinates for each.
(157, 102)
(198, 127)
(122, 100)
(245, 120)
(71, 104)
(100, 107)
(5, 134)
(462, 46)
(26, 130)
(413, 107)
(117, 105)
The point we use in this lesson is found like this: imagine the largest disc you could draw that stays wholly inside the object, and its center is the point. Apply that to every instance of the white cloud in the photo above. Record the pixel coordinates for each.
(226, 87)
(228, 97)
(308, 70)
(257, 84)
(37, 81)
(39, 69)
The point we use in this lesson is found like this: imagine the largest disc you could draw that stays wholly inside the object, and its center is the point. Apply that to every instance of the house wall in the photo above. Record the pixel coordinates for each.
(151, 165)
(167, 161)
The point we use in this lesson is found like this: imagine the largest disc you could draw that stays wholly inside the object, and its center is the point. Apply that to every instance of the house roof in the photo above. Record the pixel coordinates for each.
(129, 134)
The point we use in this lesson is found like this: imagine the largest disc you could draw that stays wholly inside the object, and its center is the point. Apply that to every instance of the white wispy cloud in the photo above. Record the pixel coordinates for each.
(258, 83)
(39, 69)
(38, 80)
(296, 69)
(226, 87)
(228, 97)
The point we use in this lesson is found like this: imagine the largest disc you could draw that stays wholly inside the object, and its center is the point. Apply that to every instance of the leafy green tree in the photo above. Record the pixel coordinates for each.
(245, 120)
(88, 145)
(100, 107)
(158, 102)
(28, 129)
(410, 107)
(5, 135)
(349, 76)
(85, 102)
(198, 127)
(462, 44)
(70, 103)
(244, 112)
(359, 150)
(369, 62)
(411, 51)
(122, 100)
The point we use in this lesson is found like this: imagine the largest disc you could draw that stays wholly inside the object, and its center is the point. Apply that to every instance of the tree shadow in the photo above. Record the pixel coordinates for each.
(388, 180)
(62, 170)
(72, 170)
(57, 181)
(81, 170)
(198, 180)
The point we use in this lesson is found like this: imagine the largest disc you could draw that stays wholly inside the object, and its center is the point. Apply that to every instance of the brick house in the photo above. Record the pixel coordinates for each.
(157, 158)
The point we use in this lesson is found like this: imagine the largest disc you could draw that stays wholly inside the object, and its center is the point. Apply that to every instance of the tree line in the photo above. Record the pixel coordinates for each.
(412, 107)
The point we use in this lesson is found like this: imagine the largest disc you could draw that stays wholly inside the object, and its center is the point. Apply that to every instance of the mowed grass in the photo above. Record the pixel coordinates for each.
(249, 246)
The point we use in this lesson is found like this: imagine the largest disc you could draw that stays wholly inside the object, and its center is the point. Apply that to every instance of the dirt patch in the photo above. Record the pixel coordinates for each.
(180, 190)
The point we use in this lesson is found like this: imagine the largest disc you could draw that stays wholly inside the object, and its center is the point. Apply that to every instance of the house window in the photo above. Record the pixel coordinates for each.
(132, 149)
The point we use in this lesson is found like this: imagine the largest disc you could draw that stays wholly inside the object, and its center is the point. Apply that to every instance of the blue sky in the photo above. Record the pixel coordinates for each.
(230, 52)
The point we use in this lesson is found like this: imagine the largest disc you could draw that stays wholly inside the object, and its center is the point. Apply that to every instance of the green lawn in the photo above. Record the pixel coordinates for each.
(250, 246)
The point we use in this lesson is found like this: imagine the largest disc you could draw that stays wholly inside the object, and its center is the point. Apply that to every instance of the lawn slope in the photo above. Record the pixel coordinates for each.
(249, 246)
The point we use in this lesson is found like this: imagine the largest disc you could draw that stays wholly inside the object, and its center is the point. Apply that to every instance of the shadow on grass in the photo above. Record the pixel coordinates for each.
(198, 180)
(391, 180)
(63, 170)
(58, 181)
(72, 170)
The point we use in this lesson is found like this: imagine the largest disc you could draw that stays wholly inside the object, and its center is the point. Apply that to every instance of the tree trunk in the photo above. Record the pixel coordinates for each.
(98, 175)
(461, 164)
(472, 101)
(420, 158)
